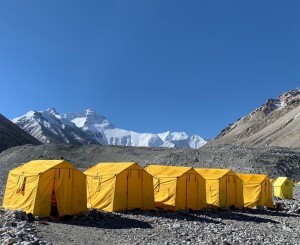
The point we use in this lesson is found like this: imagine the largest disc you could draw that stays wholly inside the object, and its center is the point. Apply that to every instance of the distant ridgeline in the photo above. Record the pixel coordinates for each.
(276, 123)
(89, 127)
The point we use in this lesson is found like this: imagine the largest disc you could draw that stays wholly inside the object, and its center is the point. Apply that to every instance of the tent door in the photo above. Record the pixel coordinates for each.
(231, 191)
(54, 209)
(191, 191)
(63, 190)
(134, 189)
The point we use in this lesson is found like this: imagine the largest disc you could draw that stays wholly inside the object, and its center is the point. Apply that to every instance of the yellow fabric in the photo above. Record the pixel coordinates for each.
(223, 187)
(283, 188)
(257, 190)
(177, 188)
(38, 177)
(119, 186)
(167, 171)
(110, 168)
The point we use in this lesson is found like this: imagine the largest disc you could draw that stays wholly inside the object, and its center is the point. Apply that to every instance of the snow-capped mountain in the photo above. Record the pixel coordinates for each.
(89, 127)
(48, 127)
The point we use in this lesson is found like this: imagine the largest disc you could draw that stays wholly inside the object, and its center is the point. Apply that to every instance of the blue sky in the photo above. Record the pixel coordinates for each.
(148, 66)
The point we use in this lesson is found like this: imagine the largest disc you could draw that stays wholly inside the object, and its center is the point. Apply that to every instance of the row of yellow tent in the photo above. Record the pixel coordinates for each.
(127, 186)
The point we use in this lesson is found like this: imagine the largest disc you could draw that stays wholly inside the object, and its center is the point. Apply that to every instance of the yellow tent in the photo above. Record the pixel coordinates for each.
(119, 186)
(283, 188)
(257, 190)
(223, 187)
(177, 188)
(31, 186)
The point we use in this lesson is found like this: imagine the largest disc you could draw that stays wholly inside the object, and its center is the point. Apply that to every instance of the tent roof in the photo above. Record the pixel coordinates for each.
(167, 171)
(255, 178)
(280, 180)
(38, 166)
(108, 168)
(213, 173)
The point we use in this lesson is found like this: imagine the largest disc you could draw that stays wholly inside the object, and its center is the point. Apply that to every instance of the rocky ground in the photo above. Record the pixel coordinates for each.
(241, 226)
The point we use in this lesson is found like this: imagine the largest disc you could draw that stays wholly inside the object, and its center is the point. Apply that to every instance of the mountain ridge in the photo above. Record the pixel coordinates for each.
(275, 123)
(11, 135)
(89, 127)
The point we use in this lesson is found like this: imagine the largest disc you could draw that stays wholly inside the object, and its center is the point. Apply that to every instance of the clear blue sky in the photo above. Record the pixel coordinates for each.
(148, 66)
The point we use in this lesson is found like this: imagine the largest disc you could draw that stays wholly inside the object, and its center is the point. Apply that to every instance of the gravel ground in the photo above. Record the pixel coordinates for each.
(239, 226)
(244, 226)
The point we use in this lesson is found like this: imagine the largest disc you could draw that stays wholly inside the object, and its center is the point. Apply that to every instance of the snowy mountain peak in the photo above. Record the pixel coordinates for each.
(90, 111)
(31, 113)
(87, 118)
(90, 127)
(51, 111)
(28, 115)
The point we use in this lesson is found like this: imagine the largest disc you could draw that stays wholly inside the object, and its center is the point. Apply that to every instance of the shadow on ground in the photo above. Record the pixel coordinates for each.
(210, 216)
(268, 212)
(239, 216)
(179, 215)
(106, 221)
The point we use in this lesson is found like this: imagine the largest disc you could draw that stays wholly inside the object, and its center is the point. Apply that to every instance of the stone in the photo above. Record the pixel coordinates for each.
(22, 224)
(26, 243)
(7, 224)
(21, 233)
(176, 225)
(286, 228)
(10, 241)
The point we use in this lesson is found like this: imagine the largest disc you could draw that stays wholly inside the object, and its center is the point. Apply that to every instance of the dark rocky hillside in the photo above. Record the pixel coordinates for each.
(272, 161)
(11, 135)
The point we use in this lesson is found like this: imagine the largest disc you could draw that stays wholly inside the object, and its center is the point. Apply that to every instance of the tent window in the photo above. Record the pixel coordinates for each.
(21, 184)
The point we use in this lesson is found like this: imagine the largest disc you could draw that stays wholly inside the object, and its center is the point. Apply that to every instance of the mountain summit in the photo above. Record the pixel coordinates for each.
(275, 123)
(89, 127)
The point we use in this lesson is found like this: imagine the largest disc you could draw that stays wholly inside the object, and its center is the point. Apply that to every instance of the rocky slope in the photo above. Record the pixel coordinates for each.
(89, 127)
(276, 123)
(272, 161)
(11, 135)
